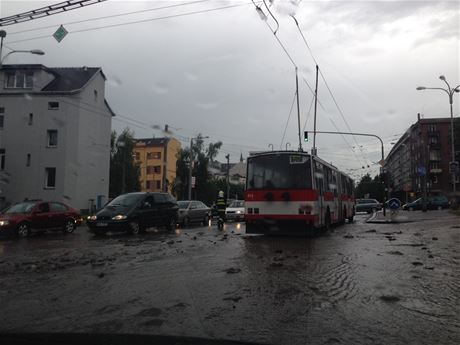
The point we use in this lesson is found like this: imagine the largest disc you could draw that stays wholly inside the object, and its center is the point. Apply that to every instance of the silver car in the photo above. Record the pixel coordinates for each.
(235, 211)
(193, 211)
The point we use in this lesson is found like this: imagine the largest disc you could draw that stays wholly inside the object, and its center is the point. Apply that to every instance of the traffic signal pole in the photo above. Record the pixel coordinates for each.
(363, 135)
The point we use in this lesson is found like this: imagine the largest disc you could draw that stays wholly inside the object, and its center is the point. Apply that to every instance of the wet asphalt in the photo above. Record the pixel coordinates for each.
(357, 284)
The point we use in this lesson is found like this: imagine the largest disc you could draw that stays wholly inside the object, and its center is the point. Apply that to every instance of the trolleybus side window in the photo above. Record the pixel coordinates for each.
(333, 186)
(343, 184)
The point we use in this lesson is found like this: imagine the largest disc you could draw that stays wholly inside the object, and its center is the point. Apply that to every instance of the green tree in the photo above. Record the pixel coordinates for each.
(373, 188)
(201, 159)
(122, 163)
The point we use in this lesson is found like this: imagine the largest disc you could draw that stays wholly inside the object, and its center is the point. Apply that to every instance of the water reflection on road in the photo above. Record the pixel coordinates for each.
(358, 284)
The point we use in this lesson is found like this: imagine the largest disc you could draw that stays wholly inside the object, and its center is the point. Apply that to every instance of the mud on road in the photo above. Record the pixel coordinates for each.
(358, 284)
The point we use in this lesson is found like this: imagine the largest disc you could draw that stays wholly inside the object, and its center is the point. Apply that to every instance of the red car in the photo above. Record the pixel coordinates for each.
(27, 216)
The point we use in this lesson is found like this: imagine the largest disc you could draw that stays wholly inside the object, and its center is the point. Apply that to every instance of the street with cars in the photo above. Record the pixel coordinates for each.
(358, 283)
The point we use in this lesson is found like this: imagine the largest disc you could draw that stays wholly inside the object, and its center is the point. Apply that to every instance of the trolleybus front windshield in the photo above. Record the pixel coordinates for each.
(285, 171)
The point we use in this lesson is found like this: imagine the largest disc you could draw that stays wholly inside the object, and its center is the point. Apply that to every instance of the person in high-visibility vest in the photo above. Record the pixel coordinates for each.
(221, 205)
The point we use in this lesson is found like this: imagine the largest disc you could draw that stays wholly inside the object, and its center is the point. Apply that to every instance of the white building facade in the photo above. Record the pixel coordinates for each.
(55, 127)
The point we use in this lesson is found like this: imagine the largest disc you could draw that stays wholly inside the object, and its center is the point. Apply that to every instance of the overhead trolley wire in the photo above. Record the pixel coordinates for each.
(327, 86)
(110, 16)
(137, 21)
(46, 11)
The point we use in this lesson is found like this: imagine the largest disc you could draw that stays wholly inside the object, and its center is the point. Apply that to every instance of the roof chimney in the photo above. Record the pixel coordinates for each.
(418, 117)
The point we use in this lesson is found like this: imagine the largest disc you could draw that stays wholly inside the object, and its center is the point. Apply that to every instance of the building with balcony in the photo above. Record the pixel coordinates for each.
(420, 158)
(55, 127)
(157, 159)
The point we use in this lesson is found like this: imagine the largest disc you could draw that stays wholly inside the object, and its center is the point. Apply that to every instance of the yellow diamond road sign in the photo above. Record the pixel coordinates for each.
(60, 33)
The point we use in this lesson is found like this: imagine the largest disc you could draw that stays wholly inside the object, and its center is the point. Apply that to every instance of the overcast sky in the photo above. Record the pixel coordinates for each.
(223, 74)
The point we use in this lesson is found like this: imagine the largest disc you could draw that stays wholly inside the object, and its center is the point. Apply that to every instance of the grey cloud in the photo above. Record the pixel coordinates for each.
(207, 105)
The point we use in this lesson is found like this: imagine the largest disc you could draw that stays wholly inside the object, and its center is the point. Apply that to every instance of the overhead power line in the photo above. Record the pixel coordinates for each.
(287, 122)
(327, 86)
(47, 11)
(138, 21)
(110, 16)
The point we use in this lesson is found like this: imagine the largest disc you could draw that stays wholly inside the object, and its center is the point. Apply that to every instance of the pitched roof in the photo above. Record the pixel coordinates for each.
(238, 169)
(70, 78)
(66, 79)
(152, 141)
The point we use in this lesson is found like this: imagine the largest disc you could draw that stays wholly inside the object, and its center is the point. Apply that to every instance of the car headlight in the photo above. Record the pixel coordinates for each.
(119, 217)
(94, 217)
(4, 222)
(238, 212)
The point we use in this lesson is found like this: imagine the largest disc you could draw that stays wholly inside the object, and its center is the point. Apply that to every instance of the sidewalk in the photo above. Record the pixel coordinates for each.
(391, 217)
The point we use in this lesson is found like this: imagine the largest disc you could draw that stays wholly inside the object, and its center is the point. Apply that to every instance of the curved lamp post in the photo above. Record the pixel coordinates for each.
(450, 92)
(32, 51)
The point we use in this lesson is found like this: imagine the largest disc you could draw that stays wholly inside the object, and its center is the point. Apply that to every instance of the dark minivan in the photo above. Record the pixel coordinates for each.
(135, 212)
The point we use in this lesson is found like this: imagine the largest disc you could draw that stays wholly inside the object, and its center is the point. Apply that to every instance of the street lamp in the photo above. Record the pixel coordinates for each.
(450, 92)
(191, 167)
(32, 51)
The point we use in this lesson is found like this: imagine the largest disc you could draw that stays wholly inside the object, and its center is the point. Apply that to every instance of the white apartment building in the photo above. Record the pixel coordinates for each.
(55, 127)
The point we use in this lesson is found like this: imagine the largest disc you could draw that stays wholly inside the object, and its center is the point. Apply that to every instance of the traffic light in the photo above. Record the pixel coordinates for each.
(305, 136)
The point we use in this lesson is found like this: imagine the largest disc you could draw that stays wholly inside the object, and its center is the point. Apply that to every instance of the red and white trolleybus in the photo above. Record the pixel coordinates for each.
(293, 190)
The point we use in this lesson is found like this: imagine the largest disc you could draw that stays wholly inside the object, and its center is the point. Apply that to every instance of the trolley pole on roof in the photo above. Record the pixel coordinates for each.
(313, 150)
(298, 107)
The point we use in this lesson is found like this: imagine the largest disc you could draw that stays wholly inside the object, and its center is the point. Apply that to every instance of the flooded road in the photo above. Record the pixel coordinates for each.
(358, 284)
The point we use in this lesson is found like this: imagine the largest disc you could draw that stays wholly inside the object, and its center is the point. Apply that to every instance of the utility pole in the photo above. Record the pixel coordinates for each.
(190, 170)
(313, 150)
(298, 107)
(2, 36)
(228, 175)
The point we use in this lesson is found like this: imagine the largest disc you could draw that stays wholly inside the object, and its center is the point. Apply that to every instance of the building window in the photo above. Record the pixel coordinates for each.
(2, 116)
(31, 119)
(52, 138)
(432, 127)
(158, 184)
(50, 177)
(138, 155)
(95, 95)
(435, 155)
(28, 160)
(148, 184)
(19, 80)
(2, 159)
(433, 140)
(157, 169)
(154, 155)
(53, 105)
(150, 169)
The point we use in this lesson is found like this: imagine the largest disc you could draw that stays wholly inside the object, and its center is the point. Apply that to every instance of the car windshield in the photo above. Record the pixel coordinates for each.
(125, 200)
(237, 203)
(205, 168)
(183, 204)
(24, 208)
